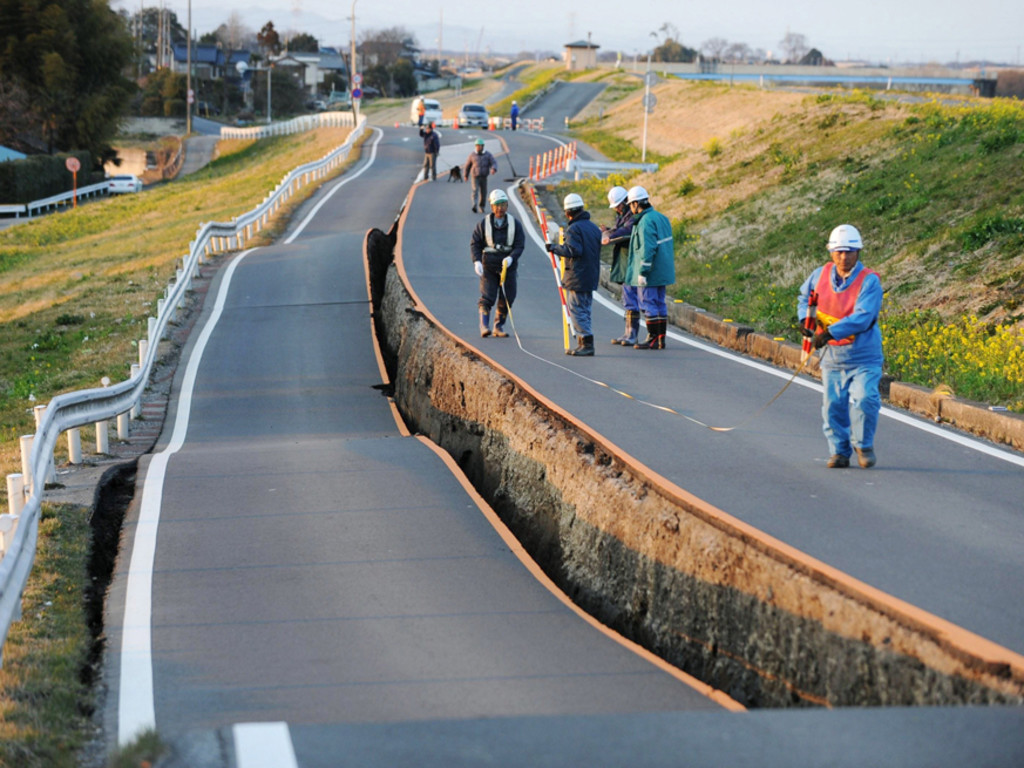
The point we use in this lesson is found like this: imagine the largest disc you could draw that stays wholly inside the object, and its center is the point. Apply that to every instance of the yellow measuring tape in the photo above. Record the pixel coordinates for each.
(665, 408)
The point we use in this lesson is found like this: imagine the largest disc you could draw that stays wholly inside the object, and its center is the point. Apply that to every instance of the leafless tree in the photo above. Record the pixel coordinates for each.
(738, 52)
(795, 46)
(714, 48)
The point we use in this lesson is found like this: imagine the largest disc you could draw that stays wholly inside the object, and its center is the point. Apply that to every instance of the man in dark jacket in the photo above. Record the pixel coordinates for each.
(479, 165)
(582, 253)
(431, 146)
(618, 238)
(497, 244)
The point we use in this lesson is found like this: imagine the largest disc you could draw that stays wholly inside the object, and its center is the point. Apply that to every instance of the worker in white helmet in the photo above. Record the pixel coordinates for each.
(618, 237)
(652, 265)
(514, 114)
(582, 253)
(846, 298)
(497, 244)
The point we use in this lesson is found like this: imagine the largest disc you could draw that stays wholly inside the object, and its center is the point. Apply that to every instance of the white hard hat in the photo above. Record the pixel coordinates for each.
(616, 196)
(572, 202)
(636, 194)
(845, 237)
(497, 196)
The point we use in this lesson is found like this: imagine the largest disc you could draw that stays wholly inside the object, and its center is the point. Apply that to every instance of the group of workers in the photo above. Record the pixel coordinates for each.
(842, 298)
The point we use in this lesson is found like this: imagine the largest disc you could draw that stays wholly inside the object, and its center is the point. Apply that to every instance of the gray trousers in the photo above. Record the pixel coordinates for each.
(479, 191)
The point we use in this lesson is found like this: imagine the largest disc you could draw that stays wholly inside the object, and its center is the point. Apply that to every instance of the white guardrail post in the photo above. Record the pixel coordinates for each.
(19, 528)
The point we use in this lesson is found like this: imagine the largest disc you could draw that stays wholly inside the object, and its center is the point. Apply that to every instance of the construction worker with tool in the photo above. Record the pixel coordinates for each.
(582, 254)
(479, 165)
(496, 246)
(618, 238)
(652, 265)
(849, 298)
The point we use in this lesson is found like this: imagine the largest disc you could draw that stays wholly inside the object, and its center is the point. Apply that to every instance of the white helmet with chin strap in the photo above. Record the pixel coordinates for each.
(845, 237)
(498, 196)
(616, 196)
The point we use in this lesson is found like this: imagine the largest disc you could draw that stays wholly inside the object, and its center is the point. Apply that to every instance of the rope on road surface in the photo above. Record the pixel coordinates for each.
(656, 406)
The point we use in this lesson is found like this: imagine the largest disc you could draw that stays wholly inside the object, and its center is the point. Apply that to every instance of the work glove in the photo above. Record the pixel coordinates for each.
(822, 338)
(479, 267)
(550, 248)
(808, 332)
(641, 281)
(506, 262)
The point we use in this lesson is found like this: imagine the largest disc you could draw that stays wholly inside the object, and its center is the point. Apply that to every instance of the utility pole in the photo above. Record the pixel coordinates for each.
(189, 96)
(352, 66)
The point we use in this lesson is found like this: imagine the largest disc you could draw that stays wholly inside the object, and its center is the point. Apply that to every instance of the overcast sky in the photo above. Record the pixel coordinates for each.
(877, 30)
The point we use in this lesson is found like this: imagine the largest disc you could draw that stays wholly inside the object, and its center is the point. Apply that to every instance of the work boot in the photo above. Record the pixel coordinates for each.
(628, 339)
(499, 326)
(865, 457)
(474, 208)
(838, 461)
(585, 348)
(656, 328)
(485, 324)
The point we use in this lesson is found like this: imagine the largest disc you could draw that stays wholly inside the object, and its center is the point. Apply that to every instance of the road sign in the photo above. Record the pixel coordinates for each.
(357, 79)
(357, 93)
(649, 101)
(73, 165)
(191, 96)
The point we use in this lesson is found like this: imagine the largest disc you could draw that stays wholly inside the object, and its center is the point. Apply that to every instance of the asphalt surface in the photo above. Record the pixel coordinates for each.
(314, 566)
(316, 569)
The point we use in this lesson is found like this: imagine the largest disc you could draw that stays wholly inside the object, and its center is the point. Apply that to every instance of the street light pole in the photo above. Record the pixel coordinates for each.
(352, 63)
(269, 70)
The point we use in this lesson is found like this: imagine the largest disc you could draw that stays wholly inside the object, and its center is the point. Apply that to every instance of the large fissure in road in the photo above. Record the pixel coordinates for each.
(723, 602)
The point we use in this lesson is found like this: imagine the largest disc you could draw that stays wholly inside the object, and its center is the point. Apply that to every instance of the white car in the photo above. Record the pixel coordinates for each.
(473, 114)
(124, 183)
(432, 113)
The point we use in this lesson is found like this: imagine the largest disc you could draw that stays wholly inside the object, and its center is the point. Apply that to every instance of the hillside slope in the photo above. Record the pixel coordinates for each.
(754, 181)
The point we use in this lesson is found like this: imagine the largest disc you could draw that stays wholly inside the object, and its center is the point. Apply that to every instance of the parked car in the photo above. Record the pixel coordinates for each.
(124, 183)
(432, 114)
(473, 114)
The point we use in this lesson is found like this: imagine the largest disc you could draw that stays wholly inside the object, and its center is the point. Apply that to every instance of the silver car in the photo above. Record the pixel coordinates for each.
(124, 183)
(473, 115)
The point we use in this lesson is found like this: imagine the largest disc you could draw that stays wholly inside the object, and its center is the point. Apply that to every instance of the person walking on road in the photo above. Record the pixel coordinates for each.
(421, 111)
(618, 238)
(431, 146)
(479, 165)
(652, 265)
(849, 298)
(496, 245)
(514, 113)
(582, 254)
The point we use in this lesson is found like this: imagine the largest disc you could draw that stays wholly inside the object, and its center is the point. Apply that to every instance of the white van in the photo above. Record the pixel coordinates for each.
(432, 113)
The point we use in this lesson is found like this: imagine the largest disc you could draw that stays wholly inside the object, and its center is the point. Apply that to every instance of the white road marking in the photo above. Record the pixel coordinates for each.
(263, 745)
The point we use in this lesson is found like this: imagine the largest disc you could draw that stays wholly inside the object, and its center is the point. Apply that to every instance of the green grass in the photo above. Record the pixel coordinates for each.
(77, 287)
(45, 705)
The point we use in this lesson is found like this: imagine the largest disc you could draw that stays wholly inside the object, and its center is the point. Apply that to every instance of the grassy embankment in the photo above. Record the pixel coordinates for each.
(76, 289)
(936, 189)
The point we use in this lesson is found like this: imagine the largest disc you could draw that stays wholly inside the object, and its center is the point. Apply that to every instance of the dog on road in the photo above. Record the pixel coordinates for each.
(455, 174)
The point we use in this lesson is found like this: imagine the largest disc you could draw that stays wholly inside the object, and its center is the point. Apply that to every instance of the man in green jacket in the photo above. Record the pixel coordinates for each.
(652, 265)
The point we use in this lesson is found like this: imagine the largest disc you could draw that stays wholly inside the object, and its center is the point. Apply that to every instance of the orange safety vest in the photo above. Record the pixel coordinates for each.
(835, 305)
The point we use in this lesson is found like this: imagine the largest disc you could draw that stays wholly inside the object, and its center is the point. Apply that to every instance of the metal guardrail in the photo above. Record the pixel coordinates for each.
(19, 529)
(604, 168)
(295, 125)
(55, 201)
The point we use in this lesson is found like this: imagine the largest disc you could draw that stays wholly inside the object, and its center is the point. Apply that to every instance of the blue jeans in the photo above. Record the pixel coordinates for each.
(850, 407)
(652, 301)
(579, 304)
(630, 298)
